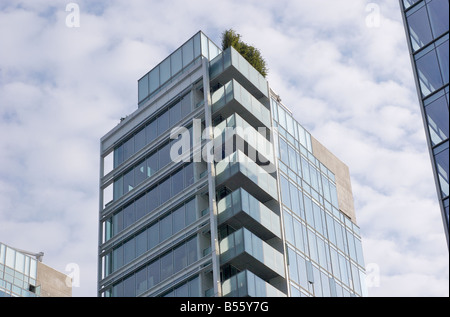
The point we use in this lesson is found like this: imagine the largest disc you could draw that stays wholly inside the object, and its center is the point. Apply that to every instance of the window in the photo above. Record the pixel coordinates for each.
(428, 71)
(179, 258)
(285, 196)
(153, 199)
(164, 190)
(419, 27)
(179, 219)
(164, 71)
(437, 117)
(166, 266)
(177, 182)
(153, 235)
(165, 227)
(154, 276)
(163, 122)
(438, 14)
(442, 167)
(141, 281)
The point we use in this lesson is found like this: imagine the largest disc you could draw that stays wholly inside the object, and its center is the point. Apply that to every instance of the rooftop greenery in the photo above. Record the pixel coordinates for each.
(250, 53)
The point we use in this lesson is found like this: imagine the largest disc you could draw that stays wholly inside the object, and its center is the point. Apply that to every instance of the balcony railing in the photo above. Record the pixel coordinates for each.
(247, 284)
(230, 64)
(238, 170)
(233, 97)
(260, 150)
(244, 250)
(240, 209)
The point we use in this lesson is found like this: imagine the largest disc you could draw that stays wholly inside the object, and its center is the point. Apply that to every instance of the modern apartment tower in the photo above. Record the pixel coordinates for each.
(212, 188)
(22, 274)
(427, 24)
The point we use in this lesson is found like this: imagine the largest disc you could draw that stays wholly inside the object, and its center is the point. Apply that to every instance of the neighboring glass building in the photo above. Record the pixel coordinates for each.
(23, 274)
(427, 30)
(212, 188)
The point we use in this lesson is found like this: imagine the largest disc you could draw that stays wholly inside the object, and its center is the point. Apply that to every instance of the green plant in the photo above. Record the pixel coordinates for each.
(250, 53)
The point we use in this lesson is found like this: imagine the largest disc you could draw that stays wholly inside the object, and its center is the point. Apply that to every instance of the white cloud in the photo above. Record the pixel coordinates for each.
(62, 88)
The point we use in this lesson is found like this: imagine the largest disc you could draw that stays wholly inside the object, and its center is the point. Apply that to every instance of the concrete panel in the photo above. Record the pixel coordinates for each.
(52, 282)
(342, 176)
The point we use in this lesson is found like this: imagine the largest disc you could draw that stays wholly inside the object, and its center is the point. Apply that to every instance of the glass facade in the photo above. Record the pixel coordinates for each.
(427, 30)
(18, 273)
(261, 219)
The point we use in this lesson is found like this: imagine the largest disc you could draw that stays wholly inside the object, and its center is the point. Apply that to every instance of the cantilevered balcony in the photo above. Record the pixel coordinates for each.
(244, 250)
(230, 64)
(238, 170)
(234, 98)
(240, 209)
(234, 133)
(247, 284)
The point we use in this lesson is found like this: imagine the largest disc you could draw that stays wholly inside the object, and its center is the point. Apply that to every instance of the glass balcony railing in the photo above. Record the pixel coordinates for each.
(242, 209)
(247, 284)
(238, 170)
(261, 149)
(237, 99)
(230, 64)
(244, 250)
(175, 64)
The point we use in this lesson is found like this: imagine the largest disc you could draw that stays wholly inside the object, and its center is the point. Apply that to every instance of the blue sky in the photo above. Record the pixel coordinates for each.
(342, 67)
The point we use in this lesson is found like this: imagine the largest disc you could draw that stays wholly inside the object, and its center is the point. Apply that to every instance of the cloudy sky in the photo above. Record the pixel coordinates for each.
(341, 66)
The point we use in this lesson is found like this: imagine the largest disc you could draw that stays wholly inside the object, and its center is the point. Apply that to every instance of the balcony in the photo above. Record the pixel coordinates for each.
(232, 65)
(247, 284)
(234, 131)
(244, 250)
(238, 170)
(240, 209)
(233, 98)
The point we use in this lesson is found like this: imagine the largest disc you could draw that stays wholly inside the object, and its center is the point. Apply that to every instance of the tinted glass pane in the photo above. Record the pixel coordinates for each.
(139, 207)
(163, 122)
(128, 181)
(438, 13)
(141, 281)
(154, 80)
(438, 123)
(419, 28)
(164, 155)
(143, 87)
(188, 175)
(139, 140)
(164, 190)
(128, 149)
(152, 164)
(166, 266)
(176, 62)
(153, 199)
(178, 219)
(129, 251)
(151, 131)
(129, 287)
(153, 235)
(185, 106)
(191, 213)
(128, 215)
(174, 114)
(442, 52)
(165, 227)
(140, 172)
(442, 162)
(153, 274)
(141, 243)
(429, 73)
(188, 52)
(179, 258)
(164, 71)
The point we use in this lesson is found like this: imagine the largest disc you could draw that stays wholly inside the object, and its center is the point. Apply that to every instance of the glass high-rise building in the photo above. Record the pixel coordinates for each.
(427, 30)
(212, 188)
